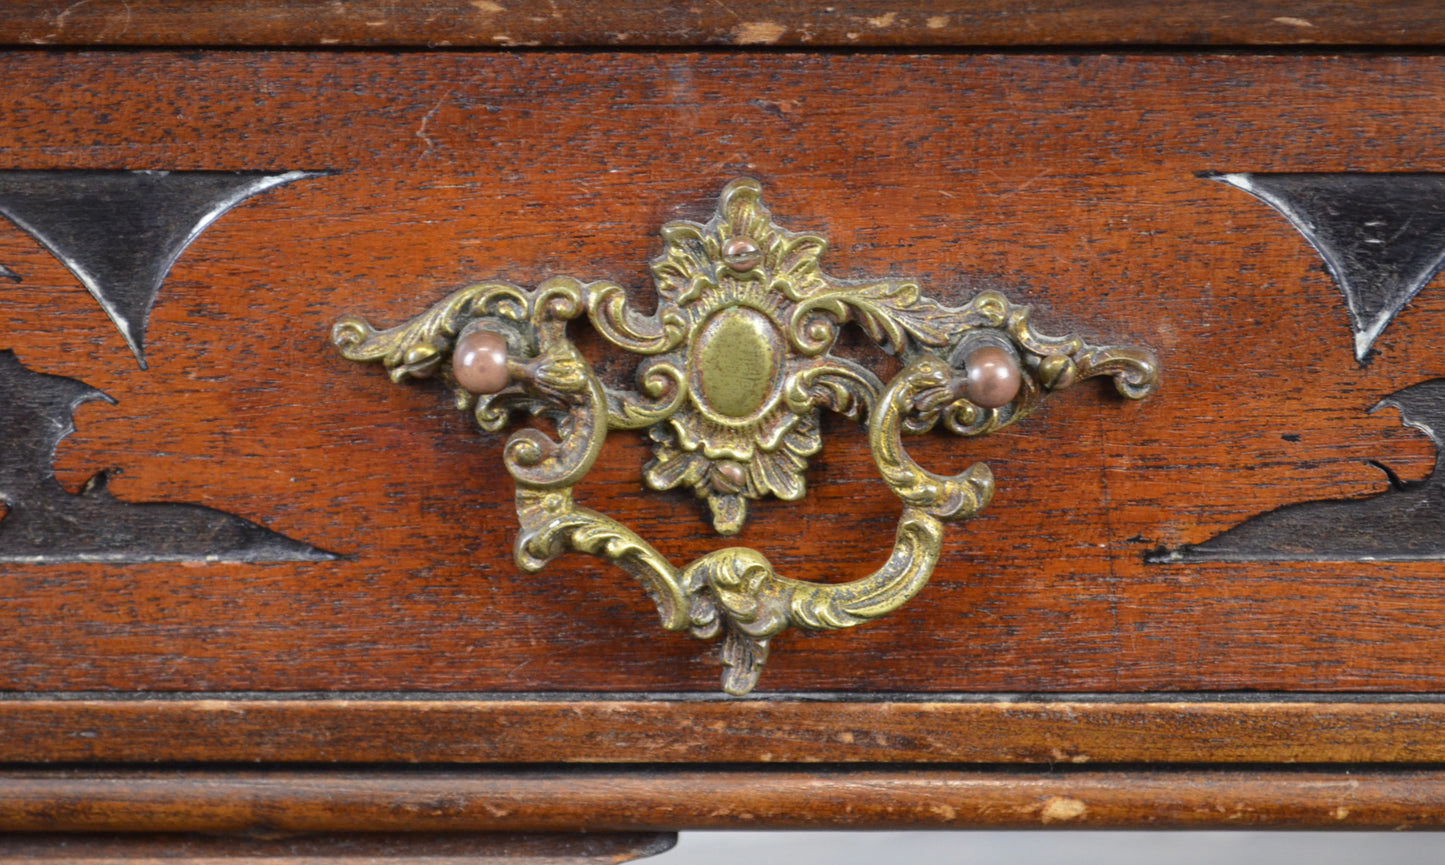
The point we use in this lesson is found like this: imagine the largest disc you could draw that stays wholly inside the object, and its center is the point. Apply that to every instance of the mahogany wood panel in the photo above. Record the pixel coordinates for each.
(609, 800)
(849, 23)
(1069, 183)
(718, 731)
(359, 848)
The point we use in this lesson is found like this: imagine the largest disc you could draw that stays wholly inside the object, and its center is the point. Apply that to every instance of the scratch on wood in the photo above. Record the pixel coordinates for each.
(60, 19)
(758, 32)
(421, 128)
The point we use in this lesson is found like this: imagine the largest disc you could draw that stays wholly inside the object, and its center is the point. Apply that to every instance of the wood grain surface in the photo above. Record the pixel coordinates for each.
(358, 848)
(658, 23)
(1069, 183)
(673, 731)
(607, 799)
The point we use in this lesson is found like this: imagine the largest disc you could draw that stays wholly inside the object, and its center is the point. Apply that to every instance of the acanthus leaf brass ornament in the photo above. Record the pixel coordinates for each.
(736, 364)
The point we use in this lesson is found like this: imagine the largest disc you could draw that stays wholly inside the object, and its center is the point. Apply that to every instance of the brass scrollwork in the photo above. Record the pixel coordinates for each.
(737, 364)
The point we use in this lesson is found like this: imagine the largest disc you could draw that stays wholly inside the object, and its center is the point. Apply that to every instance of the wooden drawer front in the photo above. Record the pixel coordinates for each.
(1071, 184)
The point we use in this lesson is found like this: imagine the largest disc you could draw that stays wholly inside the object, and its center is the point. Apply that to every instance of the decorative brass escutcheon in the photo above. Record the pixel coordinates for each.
(737, 363)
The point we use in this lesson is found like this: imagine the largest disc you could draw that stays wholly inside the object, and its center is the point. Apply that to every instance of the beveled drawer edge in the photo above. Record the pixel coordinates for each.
(613, 799)
(612, 730)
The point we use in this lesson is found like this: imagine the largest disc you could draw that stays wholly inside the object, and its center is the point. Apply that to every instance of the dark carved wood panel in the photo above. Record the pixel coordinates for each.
(1071, 184)
(119, 232)
(44, 523)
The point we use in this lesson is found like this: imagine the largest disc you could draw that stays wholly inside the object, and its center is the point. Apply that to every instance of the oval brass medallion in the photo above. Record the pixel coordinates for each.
(736, 362)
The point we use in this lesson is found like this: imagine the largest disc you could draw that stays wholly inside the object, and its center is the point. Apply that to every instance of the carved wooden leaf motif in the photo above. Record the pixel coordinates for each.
(46, 523)
(1404, 523)
(120, 232)
(1382, 235)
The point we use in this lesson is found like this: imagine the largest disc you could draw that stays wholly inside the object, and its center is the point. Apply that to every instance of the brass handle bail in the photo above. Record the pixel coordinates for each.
(736, 364)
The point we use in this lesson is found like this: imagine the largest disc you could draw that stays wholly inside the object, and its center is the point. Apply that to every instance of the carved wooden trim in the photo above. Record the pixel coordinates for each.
(656, 731)
(656, 23)
(365, 848)
(648, 799)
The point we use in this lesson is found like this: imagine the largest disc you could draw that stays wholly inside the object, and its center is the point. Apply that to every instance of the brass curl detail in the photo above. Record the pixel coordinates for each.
(948, 498)
(662, 387)
(625, 327)
(416, 349)
(737, 365)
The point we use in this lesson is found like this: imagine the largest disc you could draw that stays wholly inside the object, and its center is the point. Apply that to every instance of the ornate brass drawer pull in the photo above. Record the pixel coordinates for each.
(737, 363)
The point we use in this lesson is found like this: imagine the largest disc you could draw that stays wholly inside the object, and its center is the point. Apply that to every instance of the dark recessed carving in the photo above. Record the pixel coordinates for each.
(1382, 236)
(7, 273)
(119, 232)
(1406, 522)
(45, 523)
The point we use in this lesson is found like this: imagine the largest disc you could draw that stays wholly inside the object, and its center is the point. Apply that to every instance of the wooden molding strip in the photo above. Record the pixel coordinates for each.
(366, 848)
(612, 799)
(714, 731)
(658, 23)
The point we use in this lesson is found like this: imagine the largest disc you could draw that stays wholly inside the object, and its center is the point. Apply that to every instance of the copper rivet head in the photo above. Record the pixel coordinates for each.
(480, 362)
(994, 376)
